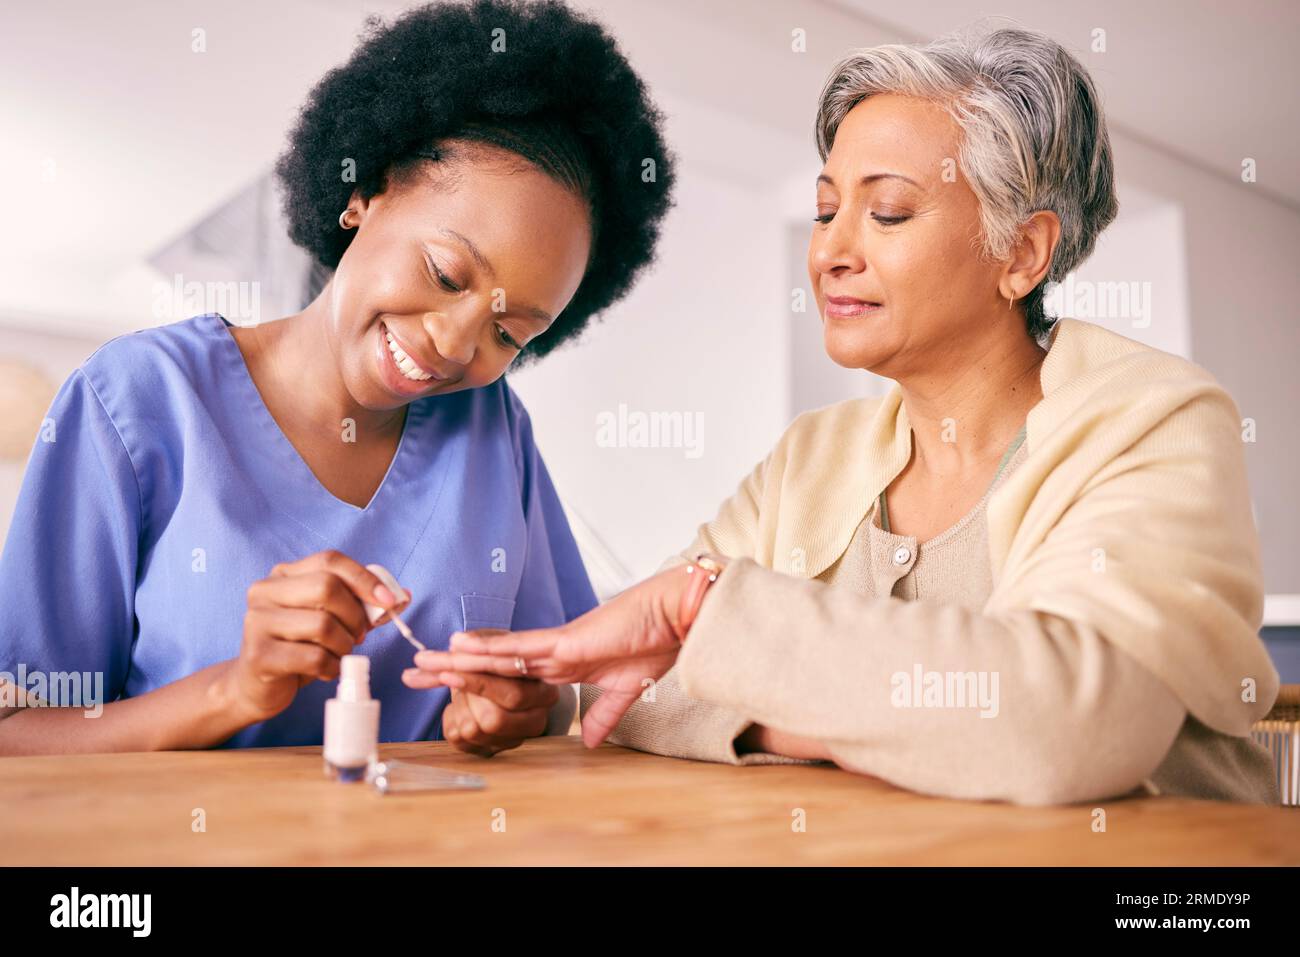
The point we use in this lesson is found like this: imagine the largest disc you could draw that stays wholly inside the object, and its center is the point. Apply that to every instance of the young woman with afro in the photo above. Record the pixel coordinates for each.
(481, 180)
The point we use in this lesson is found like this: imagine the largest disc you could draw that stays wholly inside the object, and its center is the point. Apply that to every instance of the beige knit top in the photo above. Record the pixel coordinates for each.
(970, 719)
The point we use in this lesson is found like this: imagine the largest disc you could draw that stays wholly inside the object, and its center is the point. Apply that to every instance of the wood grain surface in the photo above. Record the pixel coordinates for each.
(553, 801)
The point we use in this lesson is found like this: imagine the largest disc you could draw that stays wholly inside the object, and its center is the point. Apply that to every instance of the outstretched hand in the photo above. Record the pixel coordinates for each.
(619, 647)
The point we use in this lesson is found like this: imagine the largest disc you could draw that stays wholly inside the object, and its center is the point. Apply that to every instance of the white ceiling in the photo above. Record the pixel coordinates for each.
(143, 136)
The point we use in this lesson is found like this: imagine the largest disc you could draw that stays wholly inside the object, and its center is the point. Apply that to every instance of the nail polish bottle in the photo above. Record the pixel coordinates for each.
(351, 723)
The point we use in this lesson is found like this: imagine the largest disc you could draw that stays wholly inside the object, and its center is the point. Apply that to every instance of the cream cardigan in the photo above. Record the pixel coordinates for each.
(1129, 517)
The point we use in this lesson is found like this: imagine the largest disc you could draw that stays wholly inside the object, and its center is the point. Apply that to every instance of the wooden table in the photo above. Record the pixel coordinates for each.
(565, 804)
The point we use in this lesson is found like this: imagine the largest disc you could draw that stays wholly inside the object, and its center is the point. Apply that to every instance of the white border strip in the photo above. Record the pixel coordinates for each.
(1282, 610)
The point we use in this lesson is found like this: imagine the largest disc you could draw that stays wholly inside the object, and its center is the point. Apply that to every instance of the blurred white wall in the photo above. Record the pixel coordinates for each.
(702, 336)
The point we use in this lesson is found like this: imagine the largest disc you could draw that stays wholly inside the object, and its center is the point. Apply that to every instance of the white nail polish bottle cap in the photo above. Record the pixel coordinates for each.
(354, 678)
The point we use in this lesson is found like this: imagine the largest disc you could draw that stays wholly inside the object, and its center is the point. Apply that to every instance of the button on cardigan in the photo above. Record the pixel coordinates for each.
(1105, 580)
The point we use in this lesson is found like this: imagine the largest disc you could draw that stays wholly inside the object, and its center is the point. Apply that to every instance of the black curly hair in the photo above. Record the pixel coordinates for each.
(561, 95)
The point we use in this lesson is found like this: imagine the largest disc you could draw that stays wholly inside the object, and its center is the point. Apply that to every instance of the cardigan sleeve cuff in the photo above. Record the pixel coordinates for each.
(679, 726)
(727, 654)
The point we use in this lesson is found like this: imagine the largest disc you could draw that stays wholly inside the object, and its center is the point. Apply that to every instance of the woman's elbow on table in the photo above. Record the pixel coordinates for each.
(1077, 767)
(1098, 777)
(1096, 754)
(1031, 779)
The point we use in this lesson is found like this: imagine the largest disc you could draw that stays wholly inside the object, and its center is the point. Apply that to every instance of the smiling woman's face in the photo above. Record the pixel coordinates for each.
(450, 272)
(894, 258)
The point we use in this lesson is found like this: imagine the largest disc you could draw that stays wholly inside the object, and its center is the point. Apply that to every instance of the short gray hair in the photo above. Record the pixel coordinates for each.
(1034, 136)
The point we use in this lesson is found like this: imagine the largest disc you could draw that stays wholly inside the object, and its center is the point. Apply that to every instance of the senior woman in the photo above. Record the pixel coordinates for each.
(1029, 572)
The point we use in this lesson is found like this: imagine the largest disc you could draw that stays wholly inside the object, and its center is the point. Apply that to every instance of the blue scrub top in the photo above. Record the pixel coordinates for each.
(168, 489)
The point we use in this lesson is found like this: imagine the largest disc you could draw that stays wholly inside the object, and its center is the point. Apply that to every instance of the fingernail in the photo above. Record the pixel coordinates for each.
(384, 596)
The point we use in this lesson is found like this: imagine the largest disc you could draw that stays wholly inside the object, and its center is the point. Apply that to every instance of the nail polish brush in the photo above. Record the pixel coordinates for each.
(375, 612)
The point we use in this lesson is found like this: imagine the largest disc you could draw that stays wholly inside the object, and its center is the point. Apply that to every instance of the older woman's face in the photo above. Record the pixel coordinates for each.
(458, 270)
(893, 259)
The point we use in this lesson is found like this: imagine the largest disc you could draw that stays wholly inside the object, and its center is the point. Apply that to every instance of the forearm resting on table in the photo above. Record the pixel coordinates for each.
(1075, 717)
(195, 712)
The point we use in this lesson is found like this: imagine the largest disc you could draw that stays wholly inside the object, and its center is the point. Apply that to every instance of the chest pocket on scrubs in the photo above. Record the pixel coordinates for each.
(487, 611)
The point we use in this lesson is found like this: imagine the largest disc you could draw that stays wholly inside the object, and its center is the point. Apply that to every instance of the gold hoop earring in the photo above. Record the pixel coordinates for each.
(1009, 302)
